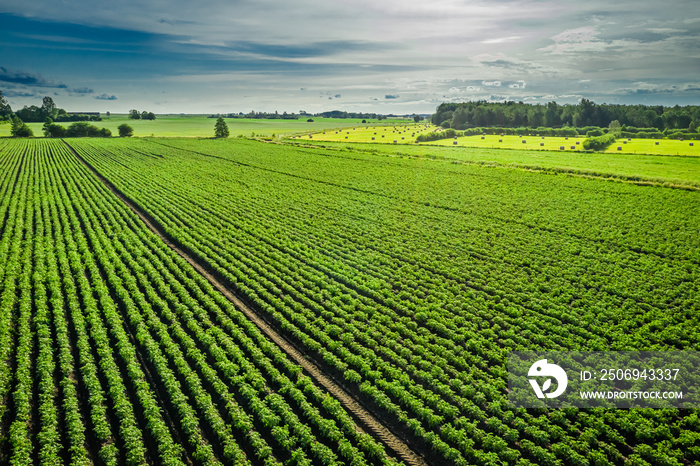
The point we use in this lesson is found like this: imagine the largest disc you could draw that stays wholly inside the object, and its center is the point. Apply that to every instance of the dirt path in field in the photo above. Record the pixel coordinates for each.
(369, 422)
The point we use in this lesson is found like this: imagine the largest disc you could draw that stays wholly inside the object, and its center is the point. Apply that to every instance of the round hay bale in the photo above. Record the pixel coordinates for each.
(562, 148)
(454, 143)
(542, 144)
(656, 143)
(619, 147)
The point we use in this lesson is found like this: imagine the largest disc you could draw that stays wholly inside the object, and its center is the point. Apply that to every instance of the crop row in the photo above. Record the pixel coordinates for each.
(123, 326)
(347, 264)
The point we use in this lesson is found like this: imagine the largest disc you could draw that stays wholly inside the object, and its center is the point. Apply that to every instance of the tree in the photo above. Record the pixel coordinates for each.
(417, 118)
(144, 115)
(5, 109)
(108, 114)
(221, 128)
(134, 115)
(614, 128)
(47, 125)
(20, 129)
(125, 130)
(48, 108)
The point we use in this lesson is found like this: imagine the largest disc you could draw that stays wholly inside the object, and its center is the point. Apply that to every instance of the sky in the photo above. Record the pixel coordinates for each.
(383, 56)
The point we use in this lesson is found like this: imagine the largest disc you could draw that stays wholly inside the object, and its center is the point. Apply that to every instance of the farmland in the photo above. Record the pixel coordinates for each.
(202, 127)
(406, 133)
(406, 280)
(116, 351)
(652, 169)
(409, 280)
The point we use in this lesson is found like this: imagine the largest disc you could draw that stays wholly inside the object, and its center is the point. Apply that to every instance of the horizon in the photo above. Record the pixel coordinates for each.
(387, 58)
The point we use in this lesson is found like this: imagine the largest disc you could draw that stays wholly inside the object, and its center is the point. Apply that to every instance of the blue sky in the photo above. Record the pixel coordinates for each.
(357, 55)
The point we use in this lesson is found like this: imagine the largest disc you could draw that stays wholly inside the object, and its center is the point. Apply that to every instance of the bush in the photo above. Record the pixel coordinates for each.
(448, 133)
(599, 142)
(20, 129)
(594, 133)
(54, 131)
(84, 129)
(125, 131)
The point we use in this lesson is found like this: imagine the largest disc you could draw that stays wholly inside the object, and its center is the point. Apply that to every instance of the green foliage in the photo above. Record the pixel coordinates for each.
(125, 130)
(52, 130)
(83, 129)
(585, 113)
(598, 143)
(437, 135)
(134, 114)
(430, 274)
(20, 129)
(5, 108)
(221, 128)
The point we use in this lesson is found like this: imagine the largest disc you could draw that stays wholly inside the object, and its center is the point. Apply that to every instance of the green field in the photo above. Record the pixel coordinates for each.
(406, 274)
(408, 132)
(671, 170)
(202, 127)
(650, 146)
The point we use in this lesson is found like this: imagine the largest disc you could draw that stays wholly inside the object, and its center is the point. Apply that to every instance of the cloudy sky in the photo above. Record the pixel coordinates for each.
(387, 56)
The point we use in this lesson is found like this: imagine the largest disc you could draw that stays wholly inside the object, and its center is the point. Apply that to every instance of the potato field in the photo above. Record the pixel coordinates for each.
(404, 282)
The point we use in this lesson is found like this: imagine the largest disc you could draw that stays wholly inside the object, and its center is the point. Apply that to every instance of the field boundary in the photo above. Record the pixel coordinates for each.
(360, 414)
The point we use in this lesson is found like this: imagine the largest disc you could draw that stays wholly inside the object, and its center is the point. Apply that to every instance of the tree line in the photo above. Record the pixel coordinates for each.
(461, 116)
(48, 109)
(144, 115)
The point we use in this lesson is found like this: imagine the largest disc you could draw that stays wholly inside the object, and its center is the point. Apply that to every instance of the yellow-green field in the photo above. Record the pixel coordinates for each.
(201, 126)
(650, 146)
(407, 134)
(514, 142)
(402, 132)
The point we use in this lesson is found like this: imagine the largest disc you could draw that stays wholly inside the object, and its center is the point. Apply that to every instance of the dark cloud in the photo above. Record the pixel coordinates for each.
(11, 93)
(27, 79)
(316, 49)
(106, 97)
(82, 90)
(503, 64)
(175, 22)
(391, 96)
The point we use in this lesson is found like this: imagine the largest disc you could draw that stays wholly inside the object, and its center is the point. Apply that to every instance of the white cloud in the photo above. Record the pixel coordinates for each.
(500, 40)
